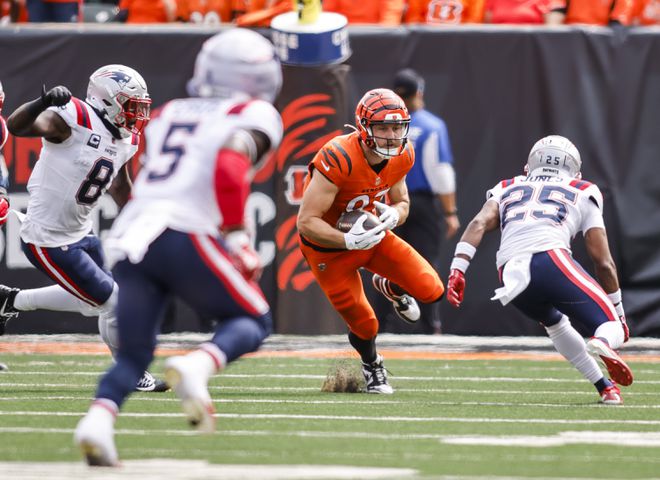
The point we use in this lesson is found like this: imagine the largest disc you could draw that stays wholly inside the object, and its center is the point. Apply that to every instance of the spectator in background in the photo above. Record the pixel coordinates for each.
(382, 12)
(259, 13)
(444, 12)
(53, 11)
(516, 11)
(592, 12)
(13, 11)
(147, 11)
(209, 12)
(647, 12)
(431, 185)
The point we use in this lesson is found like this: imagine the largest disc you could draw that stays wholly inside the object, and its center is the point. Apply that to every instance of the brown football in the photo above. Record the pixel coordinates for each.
(348, 219)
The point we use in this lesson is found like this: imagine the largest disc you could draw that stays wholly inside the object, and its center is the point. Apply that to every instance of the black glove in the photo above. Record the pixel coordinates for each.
(55, 97)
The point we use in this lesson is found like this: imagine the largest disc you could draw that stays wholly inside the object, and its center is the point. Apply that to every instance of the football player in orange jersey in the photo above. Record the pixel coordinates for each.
(356, 172)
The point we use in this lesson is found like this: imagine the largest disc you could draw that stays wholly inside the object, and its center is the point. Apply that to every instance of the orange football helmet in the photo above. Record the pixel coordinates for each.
(383, 106)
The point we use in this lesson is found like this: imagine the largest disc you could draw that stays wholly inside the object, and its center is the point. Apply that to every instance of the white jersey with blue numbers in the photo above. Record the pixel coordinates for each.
(176, 186)
(543, 213)
(70, 177)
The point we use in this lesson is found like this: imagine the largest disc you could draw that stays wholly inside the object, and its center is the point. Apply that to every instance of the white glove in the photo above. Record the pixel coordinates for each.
(244, 257)
(388, 215)
(357, 238)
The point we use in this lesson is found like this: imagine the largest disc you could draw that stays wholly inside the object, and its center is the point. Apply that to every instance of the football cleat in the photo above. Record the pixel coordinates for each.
(618, 369)
(611, 396)
(375, 375)
(148, 383)
(7, 310)
(405, 306)
(190, 385)
(94, 436)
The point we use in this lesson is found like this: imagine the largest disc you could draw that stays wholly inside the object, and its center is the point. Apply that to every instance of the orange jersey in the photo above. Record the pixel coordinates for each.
(648, 12)
(144, 11)
(342, 162)
(445, 11)
(597, 12)
(209, 12)
(384, 12)
(518, 11)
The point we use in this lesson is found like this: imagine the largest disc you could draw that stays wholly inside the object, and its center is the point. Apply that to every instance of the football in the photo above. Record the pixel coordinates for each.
(348, 219)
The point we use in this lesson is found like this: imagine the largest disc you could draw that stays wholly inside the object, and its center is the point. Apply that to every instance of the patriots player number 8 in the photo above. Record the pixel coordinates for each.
(173, 149)
(553, 196)
(95, 182)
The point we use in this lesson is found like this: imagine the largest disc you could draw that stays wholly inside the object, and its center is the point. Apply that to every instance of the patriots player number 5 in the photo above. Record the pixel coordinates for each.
(172, 151)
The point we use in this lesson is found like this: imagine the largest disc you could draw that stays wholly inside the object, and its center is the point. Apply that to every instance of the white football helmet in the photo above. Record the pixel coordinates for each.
(554, 155)
(2, 96)
(236, 60)
(121, 94)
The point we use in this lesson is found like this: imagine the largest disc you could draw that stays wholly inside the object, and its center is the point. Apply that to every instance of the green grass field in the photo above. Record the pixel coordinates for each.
(459, 419)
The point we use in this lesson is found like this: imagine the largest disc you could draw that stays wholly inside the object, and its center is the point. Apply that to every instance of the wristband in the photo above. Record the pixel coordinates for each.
(451, 213)
(460, 264)
(615, 297)
(465, 248)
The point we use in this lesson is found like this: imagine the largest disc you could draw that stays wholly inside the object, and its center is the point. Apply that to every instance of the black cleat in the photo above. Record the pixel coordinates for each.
(148, 383)
(7, 310)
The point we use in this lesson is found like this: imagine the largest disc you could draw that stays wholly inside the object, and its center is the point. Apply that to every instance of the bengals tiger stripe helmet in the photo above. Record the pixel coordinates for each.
(382, 106)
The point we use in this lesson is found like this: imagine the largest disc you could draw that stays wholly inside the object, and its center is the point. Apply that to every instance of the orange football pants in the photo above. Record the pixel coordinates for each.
(337, 274)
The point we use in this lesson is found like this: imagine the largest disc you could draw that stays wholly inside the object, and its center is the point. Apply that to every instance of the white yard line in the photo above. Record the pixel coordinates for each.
(616, 438)
(157, 469)
(363, 418)
(347, 401)
(394, 378)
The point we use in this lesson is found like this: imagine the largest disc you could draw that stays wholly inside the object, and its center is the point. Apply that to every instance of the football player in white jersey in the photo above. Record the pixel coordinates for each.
(182, 233)
(86, 149)
(539, 214)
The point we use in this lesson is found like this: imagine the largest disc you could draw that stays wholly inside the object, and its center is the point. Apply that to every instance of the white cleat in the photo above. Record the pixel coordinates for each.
(94, 436)
(191, 387)
(375, 377)
(618, 369)
(405, 306)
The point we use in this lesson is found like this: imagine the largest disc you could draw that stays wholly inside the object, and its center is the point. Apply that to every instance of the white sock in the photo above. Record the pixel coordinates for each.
(48, 298)
(570, 344)
(611, 331)
(208, 358)
(105, 409)
(108, 328)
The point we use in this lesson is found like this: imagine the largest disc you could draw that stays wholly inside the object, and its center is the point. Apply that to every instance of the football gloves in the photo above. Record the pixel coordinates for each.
(245, 258)
(357, 238)
(455, 287)
(387, 215)
(55, 97)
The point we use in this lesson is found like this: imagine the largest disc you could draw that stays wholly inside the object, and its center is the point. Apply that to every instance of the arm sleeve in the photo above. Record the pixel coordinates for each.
(592, 216)
(232, 186)
(261, 115)
(437, 161)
